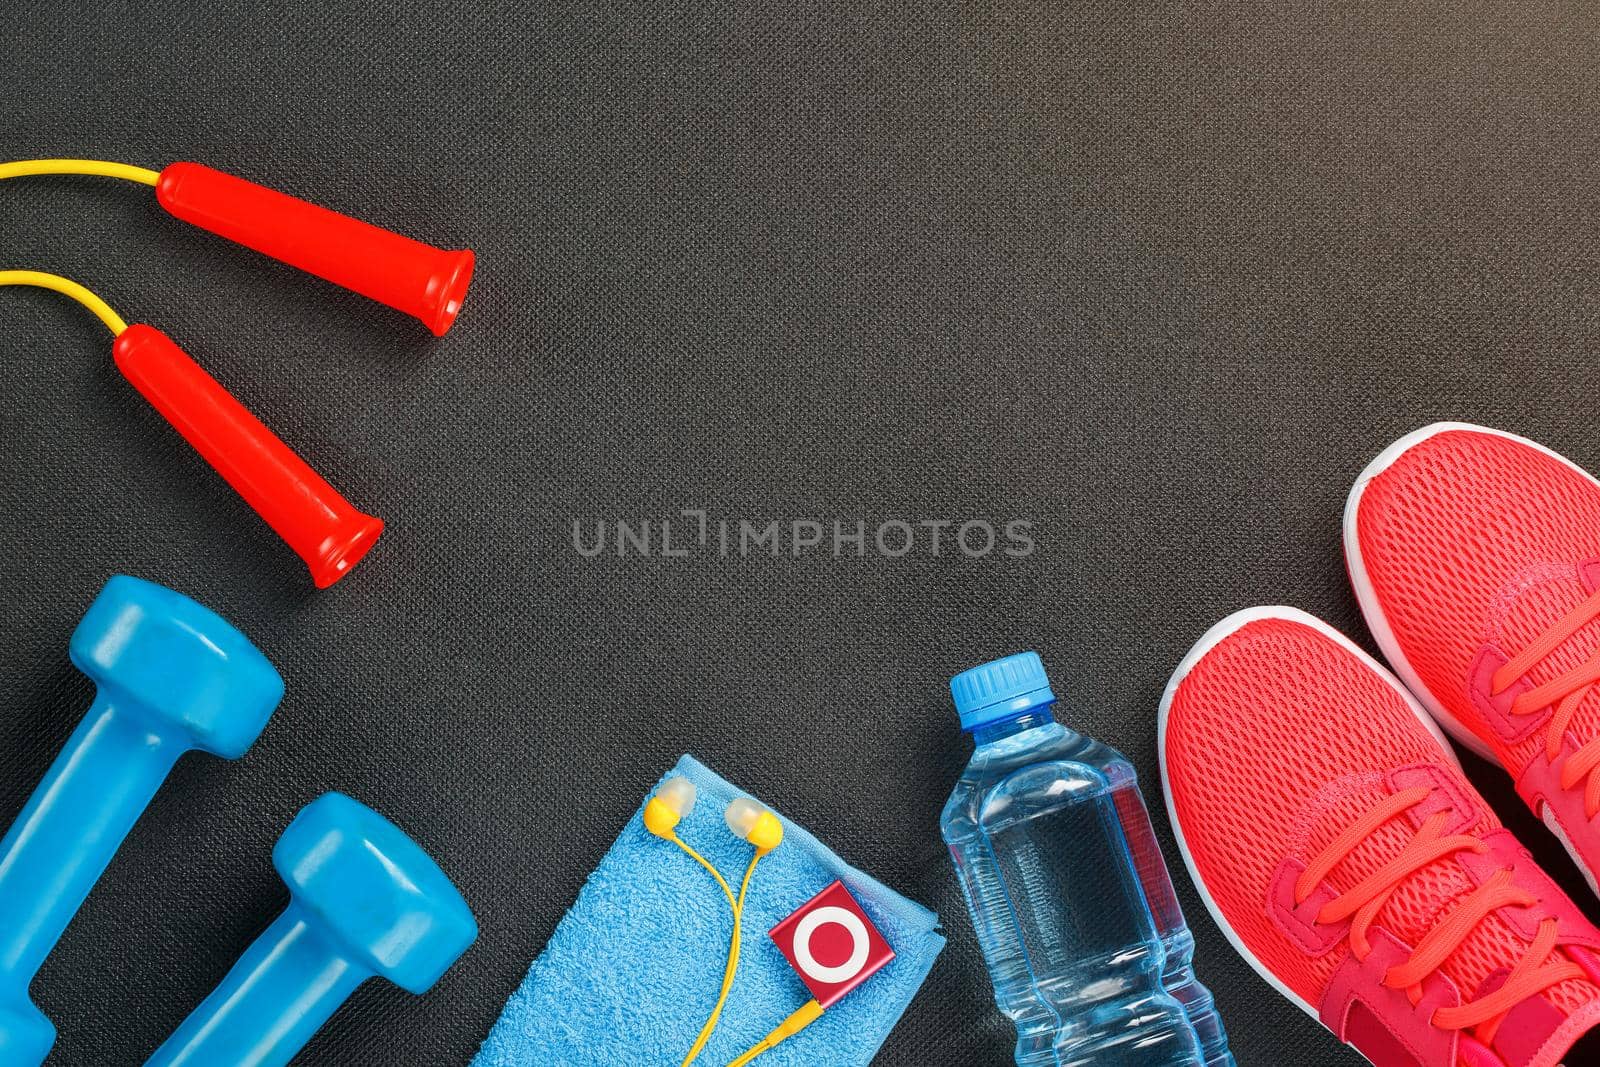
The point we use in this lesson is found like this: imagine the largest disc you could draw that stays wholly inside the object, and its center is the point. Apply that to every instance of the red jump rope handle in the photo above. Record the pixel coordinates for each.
(408, 275)
(308, 513)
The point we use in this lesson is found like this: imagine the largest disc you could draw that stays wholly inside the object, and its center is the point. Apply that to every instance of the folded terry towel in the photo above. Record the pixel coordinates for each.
(634, 968)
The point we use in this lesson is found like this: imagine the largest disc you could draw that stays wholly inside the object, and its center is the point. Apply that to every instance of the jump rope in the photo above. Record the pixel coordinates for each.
(428, 283)
(319, 524)
(748, 821)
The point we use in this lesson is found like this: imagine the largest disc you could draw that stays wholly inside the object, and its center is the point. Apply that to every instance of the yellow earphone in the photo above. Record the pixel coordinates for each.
(752, 822)
(749, 821)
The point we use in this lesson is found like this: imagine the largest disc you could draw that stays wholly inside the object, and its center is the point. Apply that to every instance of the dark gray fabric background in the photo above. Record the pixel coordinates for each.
(1159, 278)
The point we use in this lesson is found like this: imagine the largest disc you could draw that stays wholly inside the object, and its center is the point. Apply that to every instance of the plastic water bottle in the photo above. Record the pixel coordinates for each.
(1074, 908)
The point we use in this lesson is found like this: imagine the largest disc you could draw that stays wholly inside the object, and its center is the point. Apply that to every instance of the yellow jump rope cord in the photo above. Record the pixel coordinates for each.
(728, 973)
(68, 287)
(26, 168)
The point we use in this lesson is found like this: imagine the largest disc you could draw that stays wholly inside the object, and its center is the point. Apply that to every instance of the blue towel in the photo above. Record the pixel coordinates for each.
(634, 968)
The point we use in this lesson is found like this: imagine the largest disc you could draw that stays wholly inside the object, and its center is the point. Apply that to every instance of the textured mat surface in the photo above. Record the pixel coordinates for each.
(1158, 279)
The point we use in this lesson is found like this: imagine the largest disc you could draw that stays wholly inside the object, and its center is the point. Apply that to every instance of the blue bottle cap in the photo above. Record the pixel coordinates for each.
(1000, 689)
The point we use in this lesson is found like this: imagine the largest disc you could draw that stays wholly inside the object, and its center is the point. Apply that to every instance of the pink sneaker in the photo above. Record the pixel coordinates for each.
(1340, 848)
(1476, 558)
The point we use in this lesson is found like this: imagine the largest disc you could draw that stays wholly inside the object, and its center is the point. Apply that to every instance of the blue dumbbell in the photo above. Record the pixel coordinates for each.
(364, 901)
(172, 676)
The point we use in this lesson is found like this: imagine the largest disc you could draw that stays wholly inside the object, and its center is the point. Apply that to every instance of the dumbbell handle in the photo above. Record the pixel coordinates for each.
(65, 837)
(277, 996)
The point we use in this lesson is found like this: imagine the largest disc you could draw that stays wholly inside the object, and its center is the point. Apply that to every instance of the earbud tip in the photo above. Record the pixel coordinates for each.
(679, 794)
(752, 822)
(741, 816)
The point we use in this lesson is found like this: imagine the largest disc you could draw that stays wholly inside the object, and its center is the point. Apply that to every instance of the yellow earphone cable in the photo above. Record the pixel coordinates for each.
(731, 970)
(786, 1029)
(727, 891)
(24, 168)
(68, 287)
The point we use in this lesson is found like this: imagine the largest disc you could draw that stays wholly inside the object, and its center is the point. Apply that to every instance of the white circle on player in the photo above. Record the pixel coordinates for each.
(831, 916)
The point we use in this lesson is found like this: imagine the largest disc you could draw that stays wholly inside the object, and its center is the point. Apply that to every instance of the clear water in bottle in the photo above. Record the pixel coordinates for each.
(1079, 924)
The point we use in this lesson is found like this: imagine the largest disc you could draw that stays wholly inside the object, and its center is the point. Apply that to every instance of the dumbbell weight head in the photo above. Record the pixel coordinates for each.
(190, 676)
(171, 676)
(365, 901)
(377, 894)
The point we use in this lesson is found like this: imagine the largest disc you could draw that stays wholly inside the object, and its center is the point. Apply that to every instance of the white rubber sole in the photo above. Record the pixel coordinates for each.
(1372, 610)
(1211, 639)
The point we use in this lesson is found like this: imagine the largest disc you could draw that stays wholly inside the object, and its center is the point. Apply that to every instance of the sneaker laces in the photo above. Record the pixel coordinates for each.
(1566, 692)
(1540, 968)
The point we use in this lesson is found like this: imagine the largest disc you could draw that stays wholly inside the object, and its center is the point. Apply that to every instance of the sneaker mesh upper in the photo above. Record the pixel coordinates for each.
(1277, 740)
(1470, 538)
